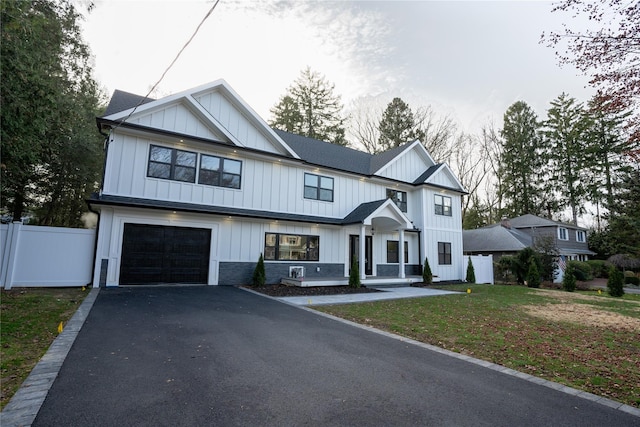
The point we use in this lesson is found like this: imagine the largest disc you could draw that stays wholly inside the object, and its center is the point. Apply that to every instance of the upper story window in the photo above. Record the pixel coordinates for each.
(444, 253)
(443, 205)
(563, 234)
(318, 187)
(291, 247)
(219, 171)
(581, 236)
(393, 253)
(171, 163)
(399, 198)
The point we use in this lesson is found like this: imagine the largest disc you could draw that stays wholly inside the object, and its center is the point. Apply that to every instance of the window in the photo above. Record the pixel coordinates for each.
(318, 187)
(392, 252)
(563, 234)
(443, 205)
(294, 247)
(399, 198)
(444, 253)
(219, 171)
(171, 163)
(580, 236)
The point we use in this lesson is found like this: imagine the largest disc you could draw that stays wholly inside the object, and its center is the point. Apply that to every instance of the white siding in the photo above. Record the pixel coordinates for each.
(443, 178)
(177, 118)
(235, 122)
(408, 167)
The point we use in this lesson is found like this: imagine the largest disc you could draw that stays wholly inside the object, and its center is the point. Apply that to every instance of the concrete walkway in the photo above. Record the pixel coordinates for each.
(385, 294)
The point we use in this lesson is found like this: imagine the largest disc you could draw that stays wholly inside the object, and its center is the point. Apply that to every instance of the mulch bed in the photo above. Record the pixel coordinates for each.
(294, 291)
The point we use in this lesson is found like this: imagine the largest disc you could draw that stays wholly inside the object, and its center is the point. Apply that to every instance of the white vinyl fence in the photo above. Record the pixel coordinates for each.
(482, 267)
(45, 256)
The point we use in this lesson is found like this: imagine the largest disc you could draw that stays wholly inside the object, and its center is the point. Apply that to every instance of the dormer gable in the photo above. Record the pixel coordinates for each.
(442, 176)
(211, 111)
(405, 163)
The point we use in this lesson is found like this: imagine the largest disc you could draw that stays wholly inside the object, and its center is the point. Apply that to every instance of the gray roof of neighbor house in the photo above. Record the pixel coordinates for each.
(495, 238)
(528, 220)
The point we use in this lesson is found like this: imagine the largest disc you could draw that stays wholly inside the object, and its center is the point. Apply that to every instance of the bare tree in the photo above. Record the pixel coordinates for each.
(440, 133)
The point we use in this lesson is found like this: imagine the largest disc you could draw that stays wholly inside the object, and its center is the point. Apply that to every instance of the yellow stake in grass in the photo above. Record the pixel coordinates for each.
(468, 290)
(60, 328)
(599, 291)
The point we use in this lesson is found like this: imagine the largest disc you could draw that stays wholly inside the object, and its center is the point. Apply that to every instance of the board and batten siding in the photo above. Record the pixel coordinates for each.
(407, 167)
(176, 118)
(271, 186)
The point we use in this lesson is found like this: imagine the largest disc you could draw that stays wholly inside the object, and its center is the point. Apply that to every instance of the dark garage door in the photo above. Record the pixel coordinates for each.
(155, 254)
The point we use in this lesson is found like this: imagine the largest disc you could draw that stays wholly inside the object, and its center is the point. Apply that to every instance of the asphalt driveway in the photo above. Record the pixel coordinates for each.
(221, 356)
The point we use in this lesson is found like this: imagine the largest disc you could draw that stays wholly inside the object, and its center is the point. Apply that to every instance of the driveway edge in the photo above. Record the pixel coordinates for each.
(493, 366)
(25, 404)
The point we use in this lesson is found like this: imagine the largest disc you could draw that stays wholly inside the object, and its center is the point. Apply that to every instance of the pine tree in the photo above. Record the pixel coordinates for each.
(354, 275)
(310, 108)
(533, 274)
(569, 280)
(521, 161)
(615, 282)
(259, 274)
(397, 125)
(566, 143)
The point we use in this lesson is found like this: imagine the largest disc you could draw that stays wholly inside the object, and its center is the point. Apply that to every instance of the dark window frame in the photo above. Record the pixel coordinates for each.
(442, 208)
(318, 189)
(444, 253)
(394, 255)
(173, 165)
(272, 252)
(221, 176)
(401, 202)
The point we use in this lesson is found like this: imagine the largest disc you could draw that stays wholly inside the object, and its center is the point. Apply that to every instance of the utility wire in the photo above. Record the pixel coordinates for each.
(170, 65)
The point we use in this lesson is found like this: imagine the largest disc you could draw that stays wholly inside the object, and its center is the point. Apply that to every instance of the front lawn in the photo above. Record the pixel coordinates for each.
(28, 325)
(590, 342)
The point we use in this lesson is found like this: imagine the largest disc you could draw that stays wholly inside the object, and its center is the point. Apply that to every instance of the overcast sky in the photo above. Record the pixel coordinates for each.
(470, 60)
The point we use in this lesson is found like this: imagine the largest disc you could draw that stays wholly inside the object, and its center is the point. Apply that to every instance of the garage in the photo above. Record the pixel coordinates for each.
(155, 254)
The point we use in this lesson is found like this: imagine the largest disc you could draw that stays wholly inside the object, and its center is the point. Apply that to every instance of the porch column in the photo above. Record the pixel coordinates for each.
(401, 253)
(361, 253)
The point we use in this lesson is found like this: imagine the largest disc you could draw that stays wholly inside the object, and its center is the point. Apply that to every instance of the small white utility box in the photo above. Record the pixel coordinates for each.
(296, 272)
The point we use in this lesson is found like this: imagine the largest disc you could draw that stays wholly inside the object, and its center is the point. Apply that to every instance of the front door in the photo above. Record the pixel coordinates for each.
(354, 249)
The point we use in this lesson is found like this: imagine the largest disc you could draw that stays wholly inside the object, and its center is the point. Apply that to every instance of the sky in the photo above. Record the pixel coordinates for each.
(469, 60)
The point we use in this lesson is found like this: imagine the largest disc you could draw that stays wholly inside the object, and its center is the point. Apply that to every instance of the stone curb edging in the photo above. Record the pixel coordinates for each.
(503, 369)
(25, 404)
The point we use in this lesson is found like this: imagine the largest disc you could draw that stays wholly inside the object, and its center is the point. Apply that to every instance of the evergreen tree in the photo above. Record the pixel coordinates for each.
(310, 108)
(615, 282)
(566, 142)
(397, 125)
(471, 272)
(51, 152)
(259, 273)
(569, 280)
(354, 275)
(427, 276)
(533, 274)
(521, 161)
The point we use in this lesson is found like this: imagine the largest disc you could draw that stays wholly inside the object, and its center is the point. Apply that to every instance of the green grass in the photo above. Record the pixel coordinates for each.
(492, 323)
(28, 325)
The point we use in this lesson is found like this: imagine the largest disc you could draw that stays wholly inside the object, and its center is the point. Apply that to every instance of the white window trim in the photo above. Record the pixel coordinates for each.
(581, 236)
(566, 234)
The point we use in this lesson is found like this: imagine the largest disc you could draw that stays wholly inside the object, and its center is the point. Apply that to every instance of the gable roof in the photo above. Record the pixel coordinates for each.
(495, 238)
(309, 150)
(121, 100)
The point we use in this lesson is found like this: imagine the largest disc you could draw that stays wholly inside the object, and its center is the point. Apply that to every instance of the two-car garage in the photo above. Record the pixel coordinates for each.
(158, 254)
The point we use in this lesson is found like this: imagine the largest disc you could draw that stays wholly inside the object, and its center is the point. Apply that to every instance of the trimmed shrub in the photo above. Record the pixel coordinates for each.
(632, 280)
(427, 276)
(615, 284)
(471, 272)
(259, 274)
(354, 276)
(569, 280)
(581, 270)
(599, 268)
(503, 268)
(533, 274)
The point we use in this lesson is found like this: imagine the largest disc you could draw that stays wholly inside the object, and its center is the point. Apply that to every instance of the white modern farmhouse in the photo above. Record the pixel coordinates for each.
(197, 186)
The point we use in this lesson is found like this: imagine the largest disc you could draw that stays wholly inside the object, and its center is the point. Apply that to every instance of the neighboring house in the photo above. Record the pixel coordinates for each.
(513, 235)
(197, 186)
